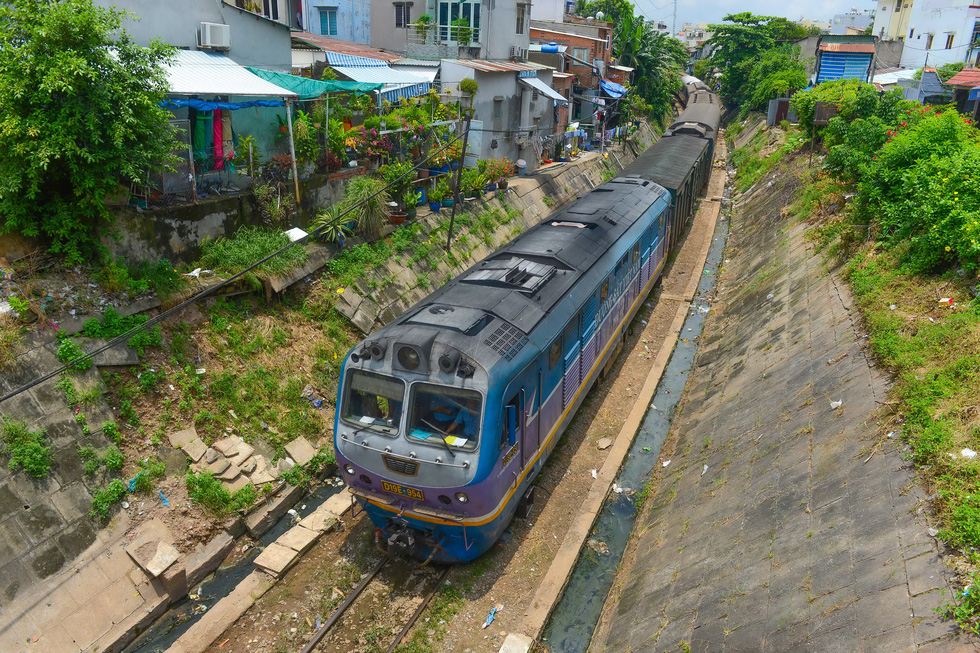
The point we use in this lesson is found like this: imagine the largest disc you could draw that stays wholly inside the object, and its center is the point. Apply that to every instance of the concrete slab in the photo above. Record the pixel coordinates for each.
(301, 450)
(299, 538)
(153, 556)
(319, 520)
(195, 449)
(183, 437)
(227, 446)
(235, 485)
(276, 559)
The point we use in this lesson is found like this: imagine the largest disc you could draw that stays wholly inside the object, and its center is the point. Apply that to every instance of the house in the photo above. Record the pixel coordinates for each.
(853, 23)
(515, 108)
(892, 19)
(928, 89)
(285, 12)
(844, 57)
(310, 49)
(247, 38)
(966, 92)
(495, 31)
(694, 36)
(941, 32)
(350, 21)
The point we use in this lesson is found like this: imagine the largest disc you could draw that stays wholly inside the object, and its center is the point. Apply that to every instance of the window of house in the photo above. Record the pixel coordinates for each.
(521, 18)
(270, 9)
(498, 109)
(911, 32)
(403, 15)
(581, 53)
(450, 11)
(928, 41)
(328, 21)
(949, 41)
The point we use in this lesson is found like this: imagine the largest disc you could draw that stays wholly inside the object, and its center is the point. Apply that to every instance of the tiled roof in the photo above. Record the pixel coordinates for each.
(847, 47)
(498, 66)
(340, 46)
(967, 77)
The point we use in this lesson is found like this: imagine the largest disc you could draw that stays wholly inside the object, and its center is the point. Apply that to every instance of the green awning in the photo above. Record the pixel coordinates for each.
(309, 89)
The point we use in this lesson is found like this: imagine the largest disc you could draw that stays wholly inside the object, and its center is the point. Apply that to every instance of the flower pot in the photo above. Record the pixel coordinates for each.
(444, 169)
(472, 194)
(454, 165)
(447, 203)
(397, 217)
(435, 206)
(563, 159)
(491, 186)
(502, 184)
(423, 173)
(434, 172)
(411, 213)
(548, 161)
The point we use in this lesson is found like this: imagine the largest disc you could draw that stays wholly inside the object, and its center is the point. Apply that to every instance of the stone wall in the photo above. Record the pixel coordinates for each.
(389, 290)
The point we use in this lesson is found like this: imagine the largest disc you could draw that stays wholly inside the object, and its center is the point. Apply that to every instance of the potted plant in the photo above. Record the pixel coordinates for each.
(435, 198)
(410, 200)
(498, 170)
(462, 31)
(327, 227)
(447, 195)
(422, 26)
(370, 197)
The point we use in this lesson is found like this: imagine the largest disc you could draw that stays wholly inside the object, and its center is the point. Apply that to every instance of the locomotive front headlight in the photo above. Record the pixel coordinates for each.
(462, 498)
(349, 469)
(408, 358)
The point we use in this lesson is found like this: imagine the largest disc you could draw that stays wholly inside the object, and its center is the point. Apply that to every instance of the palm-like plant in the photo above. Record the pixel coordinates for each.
(656, 57)
(369, 197)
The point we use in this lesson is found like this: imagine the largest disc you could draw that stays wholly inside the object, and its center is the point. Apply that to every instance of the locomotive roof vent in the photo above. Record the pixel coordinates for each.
(458, 318)
(514, 273)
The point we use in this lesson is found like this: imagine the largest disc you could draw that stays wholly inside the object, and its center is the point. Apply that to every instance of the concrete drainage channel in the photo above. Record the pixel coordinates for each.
(177, 620)
(577, 613)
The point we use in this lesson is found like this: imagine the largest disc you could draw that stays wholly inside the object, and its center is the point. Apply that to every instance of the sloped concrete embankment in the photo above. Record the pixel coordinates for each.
(786, 519)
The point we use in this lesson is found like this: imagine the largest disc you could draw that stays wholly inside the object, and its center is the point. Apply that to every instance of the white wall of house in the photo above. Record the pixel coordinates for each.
(497, 33)
(940, 32)
(856, 20)
(892, 19)
(342, 19)
(255, 40)
(548, 10)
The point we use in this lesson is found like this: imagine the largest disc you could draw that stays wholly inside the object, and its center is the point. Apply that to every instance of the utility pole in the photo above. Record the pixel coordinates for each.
(674, 28)
(457, 198)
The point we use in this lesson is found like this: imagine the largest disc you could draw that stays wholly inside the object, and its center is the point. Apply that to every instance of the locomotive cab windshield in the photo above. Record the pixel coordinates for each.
(444, 413)
(374, 401)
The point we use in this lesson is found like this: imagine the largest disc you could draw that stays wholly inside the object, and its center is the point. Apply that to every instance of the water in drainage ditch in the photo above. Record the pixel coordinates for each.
(182, 616)
(577, 613)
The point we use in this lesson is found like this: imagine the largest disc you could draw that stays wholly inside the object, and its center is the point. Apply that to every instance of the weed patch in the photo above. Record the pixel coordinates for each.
(208, 492)
(27, 448)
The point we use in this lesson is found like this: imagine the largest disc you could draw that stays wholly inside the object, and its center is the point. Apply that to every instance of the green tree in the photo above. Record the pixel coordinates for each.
(79, 113)
(775, 73)
(786, 30)
(738, 43)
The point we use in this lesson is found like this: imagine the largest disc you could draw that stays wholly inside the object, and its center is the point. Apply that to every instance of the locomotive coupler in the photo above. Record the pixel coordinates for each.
(401, 539)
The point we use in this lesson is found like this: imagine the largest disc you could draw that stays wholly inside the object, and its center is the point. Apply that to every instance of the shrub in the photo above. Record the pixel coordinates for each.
(111, 431)
(207, 491)
(104, 500)
(249, 246)
(26, 448)
(69, 353)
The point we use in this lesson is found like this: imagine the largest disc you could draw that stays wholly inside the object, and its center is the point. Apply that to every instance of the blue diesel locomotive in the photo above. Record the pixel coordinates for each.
(446, 416)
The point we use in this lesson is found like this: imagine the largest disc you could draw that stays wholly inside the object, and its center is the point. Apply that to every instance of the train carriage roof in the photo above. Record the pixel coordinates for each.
(669, 161)
(705, 114)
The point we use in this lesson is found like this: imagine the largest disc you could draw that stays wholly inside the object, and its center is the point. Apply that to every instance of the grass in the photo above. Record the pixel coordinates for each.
(249, 246)
(113, 325)
(27, 448)
(104, 500)
(10, 340)
(208, 492)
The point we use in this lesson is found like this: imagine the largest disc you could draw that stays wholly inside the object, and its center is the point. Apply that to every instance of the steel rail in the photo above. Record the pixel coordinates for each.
(418, 612)
(343, 606)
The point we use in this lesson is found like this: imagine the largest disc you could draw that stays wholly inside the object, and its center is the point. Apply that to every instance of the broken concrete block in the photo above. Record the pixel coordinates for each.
(228, 446)
(210, 455)
(276, 559)
(300, 450)
(195, 449)
(248, 466)
(298, 538)
(219, 466)
(236, 485)
(319, 520)
(153, 556)
(283, 465)
(604, 443)
(230, 473)
(241, 454)
(180, 438)
(261, 478)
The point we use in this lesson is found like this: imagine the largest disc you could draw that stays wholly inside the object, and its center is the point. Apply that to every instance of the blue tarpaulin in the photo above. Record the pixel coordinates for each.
(204, 105)
(974, 93)
(612, 89)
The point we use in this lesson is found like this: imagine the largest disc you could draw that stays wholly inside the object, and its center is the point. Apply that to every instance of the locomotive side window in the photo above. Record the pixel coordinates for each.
(515, 403)
(374, 401)
(555, 353)
(636, 252)
(442, 413)
(605, 291)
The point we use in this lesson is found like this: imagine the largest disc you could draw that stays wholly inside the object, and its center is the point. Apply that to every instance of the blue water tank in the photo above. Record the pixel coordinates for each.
(551, 48)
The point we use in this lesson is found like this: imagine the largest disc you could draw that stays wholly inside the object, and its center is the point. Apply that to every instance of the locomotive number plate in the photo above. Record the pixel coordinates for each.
(395, 488)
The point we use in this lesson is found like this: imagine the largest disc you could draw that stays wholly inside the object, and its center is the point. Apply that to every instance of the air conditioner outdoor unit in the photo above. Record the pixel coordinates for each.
(517, 52)
(214, 36)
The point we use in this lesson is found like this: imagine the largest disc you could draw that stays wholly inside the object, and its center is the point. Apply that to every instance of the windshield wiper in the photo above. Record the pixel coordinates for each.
(442, 438)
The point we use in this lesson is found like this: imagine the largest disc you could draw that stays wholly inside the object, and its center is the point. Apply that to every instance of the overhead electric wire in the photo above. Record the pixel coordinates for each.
(125, 337)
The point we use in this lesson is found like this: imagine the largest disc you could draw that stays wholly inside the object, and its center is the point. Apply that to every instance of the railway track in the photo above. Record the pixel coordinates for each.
(351, 599)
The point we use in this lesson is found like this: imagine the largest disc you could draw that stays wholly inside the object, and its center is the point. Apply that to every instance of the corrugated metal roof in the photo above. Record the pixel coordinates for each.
(204, 73)
(426, 63)
(625, 69)
(341, 46)
(544, 89)
(499, 66)
(379, 75)
(967, 77)
(847, 47)
(562, 75)
(335, 59)
(428, 74)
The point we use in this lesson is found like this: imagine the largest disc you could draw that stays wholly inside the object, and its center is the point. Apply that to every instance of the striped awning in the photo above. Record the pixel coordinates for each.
(352, 61)
(412, 90)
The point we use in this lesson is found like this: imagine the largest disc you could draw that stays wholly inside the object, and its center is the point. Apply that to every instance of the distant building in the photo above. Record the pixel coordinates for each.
(892, 19)
(350, 21)
(944, 31)
(693, 36)
(822, 25)
(853, 22)
(844, 57)
(966, 92)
